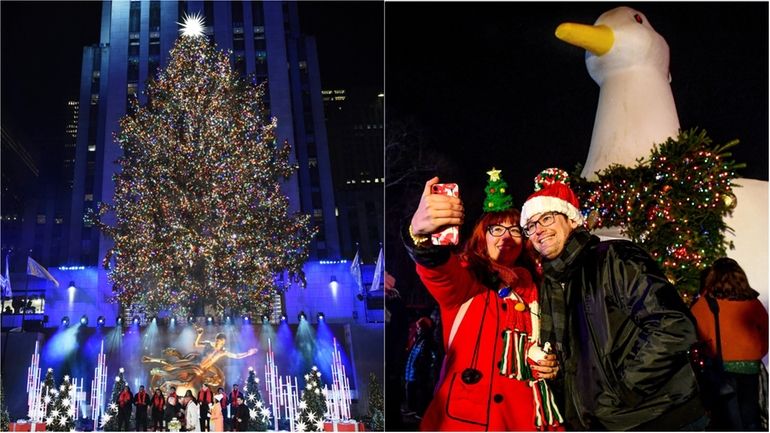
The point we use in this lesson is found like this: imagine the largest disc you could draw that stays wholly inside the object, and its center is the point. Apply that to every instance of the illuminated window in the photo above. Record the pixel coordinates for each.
(92, 148)
(89, 197)
(40, 218)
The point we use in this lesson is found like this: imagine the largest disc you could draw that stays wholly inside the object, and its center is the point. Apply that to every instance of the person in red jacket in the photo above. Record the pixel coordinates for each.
(232, 398)
(125, 400)
(142, 402)
(744, 339)
(205, 397)
(158, 404)
(490, 379)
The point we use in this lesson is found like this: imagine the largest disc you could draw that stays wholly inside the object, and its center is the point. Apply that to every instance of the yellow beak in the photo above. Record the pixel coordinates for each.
(596, 39)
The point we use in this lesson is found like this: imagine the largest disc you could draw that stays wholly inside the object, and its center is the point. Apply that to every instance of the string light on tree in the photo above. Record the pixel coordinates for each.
(199, 212)
(673, 204)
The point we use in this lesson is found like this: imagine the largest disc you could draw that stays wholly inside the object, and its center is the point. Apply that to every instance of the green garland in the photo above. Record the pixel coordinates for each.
(673, 204)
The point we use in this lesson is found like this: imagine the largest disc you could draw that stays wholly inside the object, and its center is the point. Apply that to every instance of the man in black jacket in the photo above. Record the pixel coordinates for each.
(621, 331)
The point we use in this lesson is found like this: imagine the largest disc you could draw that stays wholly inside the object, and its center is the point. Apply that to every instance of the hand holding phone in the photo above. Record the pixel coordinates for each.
(451, 234)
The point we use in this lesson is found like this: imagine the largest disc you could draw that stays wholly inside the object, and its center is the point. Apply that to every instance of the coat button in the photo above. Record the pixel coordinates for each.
(505, 307)
(498, 398)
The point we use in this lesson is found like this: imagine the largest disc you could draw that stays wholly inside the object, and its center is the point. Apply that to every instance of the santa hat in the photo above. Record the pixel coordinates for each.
(552, 194)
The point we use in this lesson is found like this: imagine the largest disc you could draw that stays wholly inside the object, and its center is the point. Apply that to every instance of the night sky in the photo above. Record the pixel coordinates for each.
(490, 85)
(42, 46)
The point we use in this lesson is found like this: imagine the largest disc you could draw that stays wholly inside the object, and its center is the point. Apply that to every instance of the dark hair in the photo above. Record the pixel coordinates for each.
(221, 336)
(220, 389)
(726, 280)
(475, 249)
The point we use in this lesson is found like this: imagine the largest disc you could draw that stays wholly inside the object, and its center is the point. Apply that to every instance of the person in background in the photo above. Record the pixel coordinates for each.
(192, 413)
(744, 339)
(419, 369)
(205, 398)
(233, 408)
(241, 418)
(125, 399)
(217, 421)
(488, 302)
(158, 404)
(142, 402)
(173, 407)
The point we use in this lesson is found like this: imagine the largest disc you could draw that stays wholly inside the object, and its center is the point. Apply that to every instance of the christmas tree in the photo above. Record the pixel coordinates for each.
(48, 394)
(62, 415)
(673, 204)
(497, 198)
(312, 405)
(376, 414)
(259, 414)
(200, 216)
(4, 418)
(110, 418)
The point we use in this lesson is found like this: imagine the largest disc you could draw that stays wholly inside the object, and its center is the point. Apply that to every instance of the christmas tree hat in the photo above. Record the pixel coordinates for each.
(498, 198)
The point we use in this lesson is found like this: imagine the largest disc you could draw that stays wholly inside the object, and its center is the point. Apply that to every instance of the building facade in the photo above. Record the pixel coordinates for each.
(354, 118)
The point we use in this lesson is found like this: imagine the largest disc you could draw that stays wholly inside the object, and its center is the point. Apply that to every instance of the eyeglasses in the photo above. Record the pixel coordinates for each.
(498, 230)
(545, 220)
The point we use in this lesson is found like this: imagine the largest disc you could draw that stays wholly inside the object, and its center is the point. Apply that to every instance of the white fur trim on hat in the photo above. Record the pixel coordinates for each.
(546, 203)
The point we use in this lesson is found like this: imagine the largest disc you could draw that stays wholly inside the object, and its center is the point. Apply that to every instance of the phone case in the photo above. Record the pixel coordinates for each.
(450, 235)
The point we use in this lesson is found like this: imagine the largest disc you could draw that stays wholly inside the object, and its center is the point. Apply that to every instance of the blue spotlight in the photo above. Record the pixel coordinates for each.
(302, 316)
(227, 319)
(65, 321)
(119, 321)
(245, 319)
(135, 320)
(190, 319)
(283, 318)
(173, 321)
(320, 316)
(209, 320)
(100, 321)
(265, 319)
(84, 320)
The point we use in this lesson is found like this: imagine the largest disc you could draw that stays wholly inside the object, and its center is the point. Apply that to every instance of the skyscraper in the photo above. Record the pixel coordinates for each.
(266, 44)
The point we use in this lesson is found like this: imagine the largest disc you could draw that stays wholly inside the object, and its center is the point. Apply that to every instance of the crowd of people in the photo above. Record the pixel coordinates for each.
(546, 327)
(208, 411)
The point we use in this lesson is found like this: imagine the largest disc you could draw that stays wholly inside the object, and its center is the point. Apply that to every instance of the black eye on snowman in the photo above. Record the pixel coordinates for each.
(638, 18)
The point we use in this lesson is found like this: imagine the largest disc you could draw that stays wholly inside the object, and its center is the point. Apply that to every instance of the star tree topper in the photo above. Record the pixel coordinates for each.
(192, 25)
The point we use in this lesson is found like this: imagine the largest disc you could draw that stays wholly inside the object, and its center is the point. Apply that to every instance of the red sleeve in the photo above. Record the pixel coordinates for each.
(450, 284)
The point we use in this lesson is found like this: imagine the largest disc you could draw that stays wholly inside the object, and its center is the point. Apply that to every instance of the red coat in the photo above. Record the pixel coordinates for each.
(497, 402)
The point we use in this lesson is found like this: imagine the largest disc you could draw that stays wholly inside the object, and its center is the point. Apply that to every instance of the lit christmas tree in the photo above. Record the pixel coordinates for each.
(673, 204)
(376, 415)
(312, 405)
(48, 394)
(62, 415)
(200, 216)
(259, 414)
(110, 417)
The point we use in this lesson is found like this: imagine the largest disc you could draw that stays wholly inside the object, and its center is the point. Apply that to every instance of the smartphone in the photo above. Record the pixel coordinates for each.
(451, 234)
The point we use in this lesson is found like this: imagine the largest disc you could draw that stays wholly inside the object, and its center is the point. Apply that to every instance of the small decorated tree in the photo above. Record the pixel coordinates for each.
(312, 406)
(376, 414)
(259, 414)
(48, 394)
(62, 415)
(110, 418)
(498, 198)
